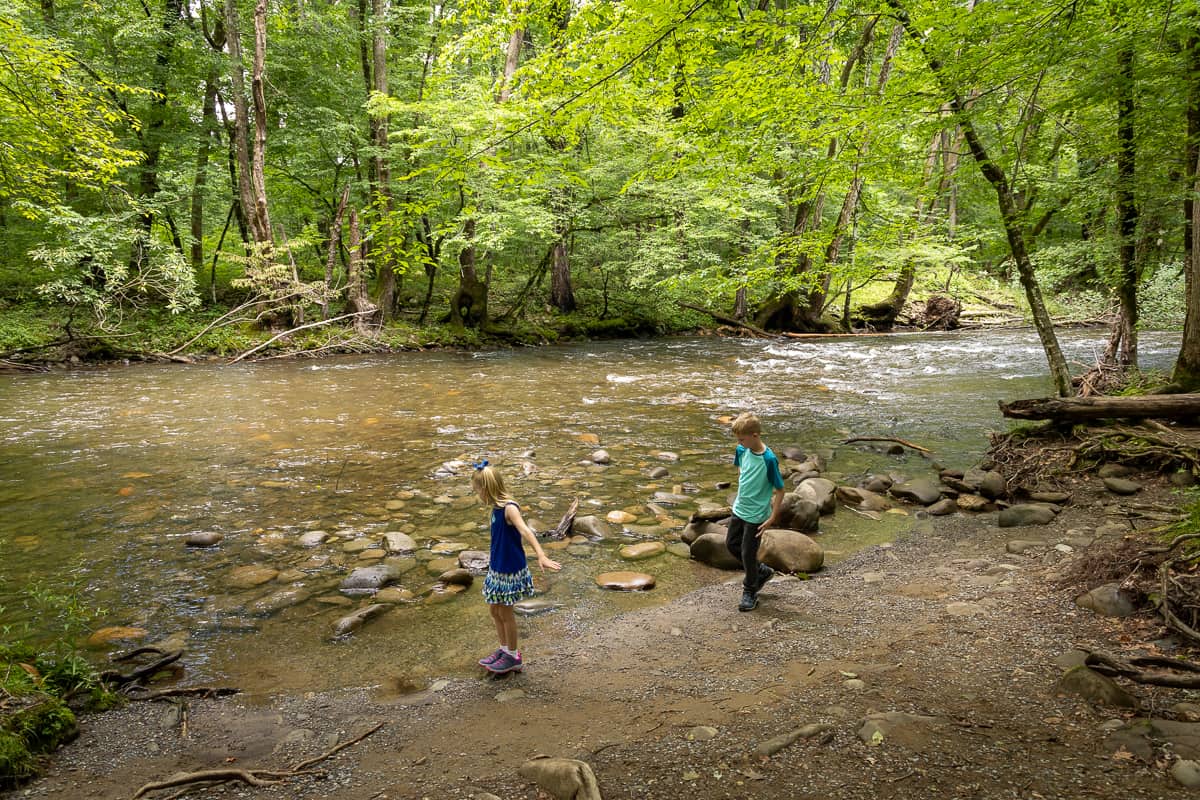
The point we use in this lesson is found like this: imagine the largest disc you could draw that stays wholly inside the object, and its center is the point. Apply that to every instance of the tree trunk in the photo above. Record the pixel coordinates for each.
(335, 241)
(241, 119)
(384, 252)
(1127, 214)
(1070, 409)
(260, 218)
(209, 129)
(469, 305)
(1186, 374)
(1010, 214)
(358, 299)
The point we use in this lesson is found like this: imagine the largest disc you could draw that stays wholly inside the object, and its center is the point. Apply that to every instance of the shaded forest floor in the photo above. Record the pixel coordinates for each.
(961, 642)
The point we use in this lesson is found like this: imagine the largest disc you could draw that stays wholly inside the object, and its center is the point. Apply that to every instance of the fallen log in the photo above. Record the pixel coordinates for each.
(1070, 409)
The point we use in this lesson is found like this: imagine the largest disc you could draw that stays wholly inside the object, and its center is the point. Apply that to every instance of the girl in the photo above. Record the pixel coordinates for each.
(508, 579)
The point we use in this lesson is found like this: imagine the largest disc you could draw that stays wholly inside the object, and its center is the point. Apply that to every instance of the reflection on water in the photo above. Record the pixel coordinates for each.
(104, 474)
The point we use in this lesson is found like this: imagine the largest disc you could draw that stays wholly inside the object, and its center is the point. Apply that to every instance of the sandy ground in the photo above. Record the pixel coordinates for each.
(944, 625)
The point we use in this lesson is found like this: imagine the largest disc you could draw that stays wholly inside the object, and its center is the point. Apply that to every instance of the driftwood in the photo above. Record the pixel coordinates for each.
(1137, 669)
(737, 323)
(1070, 409)
(253, 777)
(563, 529)
(121, 680)
(916, 447)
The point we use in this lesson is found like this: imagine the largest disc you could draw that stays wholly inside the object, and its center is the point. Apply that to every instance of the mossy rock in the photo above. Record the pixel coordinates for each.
(41, 726)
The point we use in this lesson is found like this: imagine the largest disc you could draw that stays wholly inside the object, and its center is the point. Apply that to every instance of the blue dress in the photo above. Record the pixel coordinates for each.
(508, 579)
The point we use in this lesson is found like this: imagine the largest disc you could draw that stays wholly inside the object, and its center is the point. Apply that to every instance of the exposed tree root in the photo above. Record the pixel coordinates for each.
(253, 777)
(1133, 669)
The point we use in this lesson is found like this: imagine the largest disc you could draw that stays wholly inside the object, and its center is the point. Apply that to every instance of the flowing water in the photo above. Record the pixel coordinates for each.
(103, 474)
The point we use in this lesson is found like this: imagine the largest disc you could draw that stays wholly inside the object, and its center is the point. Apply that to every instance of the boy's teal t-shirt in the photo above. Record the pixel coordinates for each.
(758, 478)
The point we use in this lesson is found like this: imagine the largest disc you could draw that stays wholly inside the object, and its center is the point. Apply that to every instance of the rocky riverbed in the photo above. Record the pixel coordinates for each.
(932, 667)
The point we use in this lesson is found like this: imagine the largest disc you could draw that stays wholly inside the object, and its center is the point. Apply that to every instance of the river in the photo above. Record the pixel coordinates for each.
(104, 473)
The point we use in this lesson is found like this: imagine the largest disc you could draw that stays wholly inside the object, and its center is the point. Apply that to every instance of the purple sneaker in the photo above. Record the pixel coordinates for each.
(487, 661)
(505, 663)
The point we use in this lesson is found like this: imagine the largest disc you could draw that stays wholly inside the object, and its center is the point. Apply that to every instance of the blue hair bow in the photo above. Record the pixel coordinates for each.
(480, 464)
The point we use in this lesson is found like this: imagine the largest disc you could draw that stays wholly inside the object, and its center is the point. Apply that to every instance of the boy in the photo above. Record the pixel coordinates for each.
(759, 497)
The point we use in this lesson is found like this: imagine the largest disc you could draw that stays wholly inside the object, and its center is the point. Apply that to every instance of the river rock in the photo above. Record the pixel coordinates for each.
(916, 491)
(204, 539)
(694, 530)
(115, 633)
(601, 457)
(358, 545)
(443, 592)
(397, 542)
(364, 580)
(458, 576)
(1025, 514)
(879, 484)
(943, 507)
(1186, 772)
(863, 498)
(562, 778)
(658, 473)
(710, 549)
(707, 511)
(394, 595)
(641, 550)
(1122, 486)
(798, 514)
(1109, 600)
(1113, 471)
(592, 527)
(680, 549)
(1050, 496)
(278, 601)
(974, 503)
(1095, 688)
(533, 606)
(437, 566)
(476, 561)
(671, 498)
(618, 517)
(1182, 477)
(625, 581)
(989, 483)
(248, 576)
(352, 622)
(312, 538)
(666, 455)
(821, 492)
(454, 548)
(790, 551)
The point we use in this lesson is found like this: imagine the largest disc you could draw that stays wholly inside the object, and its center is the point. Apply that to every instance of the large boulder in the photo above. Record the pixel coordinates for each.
(367, 579)
(696, 529)
(799, 514)
(790, 551)
(920, 491)
(863, 498)
(821, 492)
(1026, 514)
(710, 549)
(987, 482)
(592, 527)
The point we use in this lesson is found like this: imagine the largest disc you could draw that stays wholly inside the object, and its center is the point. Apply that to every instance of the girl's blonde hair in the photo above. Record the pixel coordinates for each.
(490, 486)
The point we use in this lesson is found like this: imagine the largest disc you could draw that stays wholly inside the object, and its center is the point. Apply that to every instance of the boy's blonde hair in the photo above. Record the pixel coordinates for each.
(746, 423)
(490, 486)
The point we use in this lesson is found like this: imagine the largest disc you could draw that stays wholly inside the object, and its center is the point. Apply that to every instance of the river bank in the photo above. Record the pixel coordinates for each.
(960, 643)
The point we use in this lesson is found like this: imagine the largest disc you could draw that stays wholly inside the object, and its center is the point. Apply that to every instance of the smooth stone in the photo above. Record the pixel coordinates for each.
(373, 554)
(1182, 477)
(312, 538)
(248, 576)
(1096, 688)
(442, 593)
(290, 576)
(697, 528)
(681, 549)
(394, 595)
(352, 622)
(358, 545)
(458, 576)
(671, 498)
(896, 727)
(1019, 547)
(367, 579)
(204, 539)
(701, 733)
(917, 491)
(601, 457)
(658, 473)
(1187, 773)
(533, 606)
(620, 517)
(1058, 498)
(475, 560)
(625, 581)
(973, 503)
(115, 633)
(394, 505)
(562, 778)
(449, 548)
(397, 542)
(943, 507)
(1121, 486)
(666, 455)
(1108, 600)
(790, 551)
(710, 549)
(1025, 514)
(1114, 471)
(636, 552)
(278, 601)
(591, 527)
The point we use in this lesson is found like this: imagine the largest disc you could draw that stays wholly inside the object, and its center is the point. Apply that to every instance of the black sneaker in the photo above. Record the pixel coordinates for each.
(749, 601)
(765, 574)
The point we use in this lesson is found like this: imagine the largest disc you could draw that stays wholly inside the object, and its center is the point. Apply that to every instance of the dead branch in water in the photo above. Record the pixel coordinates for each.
(253, 777)
(290, 331)
(563, 528)
(916, 447)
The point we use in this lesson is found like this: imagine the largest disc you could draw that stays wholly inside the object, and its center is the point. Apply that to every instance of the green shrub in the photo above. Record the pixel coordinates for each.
(17, 763)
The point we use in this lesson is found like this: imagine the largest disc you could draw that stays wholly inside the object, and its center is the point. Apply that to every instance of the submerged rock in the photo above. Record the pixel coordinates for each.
(625, 581)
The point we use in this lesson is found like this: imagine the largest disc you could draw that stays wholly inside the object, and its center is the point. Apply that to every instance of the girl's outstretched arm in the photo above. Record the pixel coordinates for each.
(513, 515)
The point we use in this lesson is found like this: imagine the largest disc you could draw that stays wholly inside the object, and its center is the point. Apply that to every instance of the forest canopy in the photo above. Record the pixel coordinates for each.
(601, 166)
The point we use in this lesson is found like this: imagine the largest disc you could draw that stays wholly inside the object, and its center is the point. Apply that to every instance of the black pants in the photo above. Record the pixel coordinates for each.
(743, 543)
